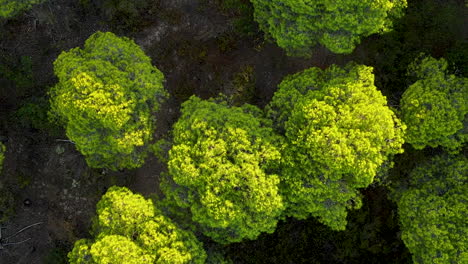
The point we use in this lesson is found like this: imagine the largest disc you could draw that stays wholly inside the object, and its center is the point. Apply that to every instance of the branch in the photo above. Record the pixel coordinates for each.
(29, 226)
(65, 140)
(16, 243)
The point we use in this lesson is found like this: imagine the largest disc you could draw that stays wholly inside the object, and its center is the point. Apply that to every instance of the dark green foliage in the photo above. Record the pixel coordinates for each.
(220, 167)
(371, 236)
(457, 56)
(57, 255)
(126, 13)
(6, 197)
(217, 254)
(243, 85)
(433, 210)
(432, 27)
(106, 97)
(226, 42)
(6, 202)
(33, 114)
(2, 154)
(17, 70)
(242, 13)
(436, 27)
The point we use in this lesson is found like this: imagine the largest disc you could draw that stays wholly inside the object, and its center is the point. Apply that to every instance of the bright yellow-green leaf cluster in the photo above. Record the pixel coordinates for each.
(129, 229)
(10, 8)
(106, 95)
(435, 107)
(109, 250)
(433, 211)
(299, 25)
(339, 132)
(120, 212)
(219, 164)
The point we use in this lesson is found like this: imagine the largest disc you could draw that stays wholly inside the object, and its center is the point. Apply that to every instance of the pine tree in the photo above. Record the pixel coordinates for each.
(106, 97)
(435, 106)
(433, 211)
(11, 8)
(2, 154)
(298, 26)
(129, 229)
(221, 164)
(339, 133)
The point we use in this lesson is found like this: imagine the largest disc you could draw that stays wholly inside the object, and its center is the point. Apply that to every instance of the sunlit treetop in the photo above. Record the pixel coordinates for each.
(299, 25)
(122, 212)
(220, 164)
(106, 97)
(339, 132)
(129, 227)
(109, 250)
(435, 107)
(433, 211)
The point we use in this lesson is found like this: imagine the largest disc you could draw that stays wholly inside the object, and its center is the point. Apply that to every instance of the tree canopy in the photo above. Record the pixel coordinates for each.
(297, 26)
(221, 164)
(10, 8)
(435, 107)
(433, 211)
(129, 229)
(106, 96)
(339, 132)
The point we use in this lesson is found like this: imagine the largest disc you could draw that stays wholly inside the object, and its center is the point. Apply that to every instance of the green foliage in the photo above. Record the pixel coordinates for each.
(371, 236)
(125, 13)
(244, 85)
(7, 203)
(220, 163)
(217, 255)
(339, 133)
(433, 27)
(2, 154)
(56, 255)
(129, 229)
(106, 95)
(34, 114)
(458, 58)
(433, 211)
(226, 42)
(11, 8)
(435, 107)
(297, 26)
(242, 13)
(160, 149)
(17, 70)
(6, 197)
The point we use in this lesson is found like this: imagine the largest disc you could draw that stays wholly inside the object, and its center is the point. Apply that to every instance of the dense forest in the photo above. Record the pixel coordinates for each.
(233, 131)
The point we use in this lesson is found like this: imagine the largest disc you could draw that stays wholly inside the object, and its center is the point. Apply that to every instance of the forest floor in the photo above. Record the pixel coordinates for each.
(49, 179)
(193, 42)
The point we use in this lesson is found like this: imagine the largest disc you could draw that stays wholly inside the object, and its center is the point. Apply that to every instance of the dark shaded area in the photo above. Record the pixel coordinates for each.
(371, 236)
